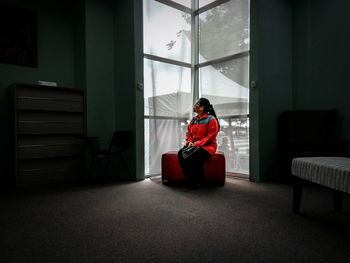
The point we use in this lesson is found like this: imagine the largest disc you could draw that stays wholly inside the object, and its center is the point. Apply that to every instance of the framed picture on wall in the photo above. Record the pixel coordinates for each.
(18, 36)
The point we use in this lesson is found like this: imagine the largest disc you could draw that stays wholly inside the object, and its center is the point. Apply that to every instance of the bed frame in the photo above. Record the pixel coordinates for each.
(331, 172)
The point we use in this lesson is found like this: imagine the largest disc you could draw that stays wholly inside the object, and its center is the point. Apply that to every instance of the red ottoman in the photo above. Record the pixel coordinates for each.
(214, 169)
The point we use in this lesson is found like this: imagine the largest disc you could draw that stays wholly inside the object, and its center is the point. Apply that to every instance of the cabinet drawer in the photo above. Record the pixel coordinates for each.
(46, 171)
(38, 127)
(50, 93)
(27, 140)
(44, 151)
(53, 122)
(49, 104)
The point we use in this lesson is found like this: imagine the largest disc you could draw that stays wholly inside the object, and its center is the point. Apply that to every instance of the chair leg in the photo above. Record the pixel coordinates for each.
(91, 166)
(337, 200)
(297, 193)
(108, 161)
(125, 165)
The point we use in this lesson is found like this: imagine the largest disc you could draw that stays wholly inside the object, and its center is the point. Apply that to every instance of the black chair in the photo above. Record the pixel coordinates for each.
(307, 133)
(120, 143)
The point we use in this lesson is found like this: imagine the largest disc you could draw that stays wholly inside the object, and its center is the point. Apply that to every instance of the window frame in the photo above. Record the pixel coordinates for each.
(195, 11)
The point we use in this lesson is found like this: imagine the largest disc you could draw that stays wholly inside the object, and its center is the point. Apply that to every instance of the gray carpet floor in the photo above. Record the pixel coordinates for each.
(146, 221)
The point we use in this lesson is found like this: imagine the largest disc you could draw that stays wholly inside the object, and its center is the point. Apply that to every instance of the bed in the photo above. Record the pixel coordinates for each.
(331, 172)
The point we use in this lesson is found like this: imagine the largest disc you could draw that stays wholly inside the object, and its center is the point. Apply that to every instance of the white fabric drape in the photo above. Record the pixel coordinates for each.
(168, 95)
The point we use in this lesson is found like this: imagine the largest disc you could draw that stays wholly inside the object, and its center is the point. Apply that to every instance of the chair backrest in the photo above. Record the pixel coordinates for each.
(121, 140)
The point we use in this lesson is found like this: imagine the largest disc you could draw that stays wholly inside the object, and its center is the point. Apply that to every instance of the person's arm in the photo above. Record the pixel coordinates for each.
(189, 135)
(213, 129)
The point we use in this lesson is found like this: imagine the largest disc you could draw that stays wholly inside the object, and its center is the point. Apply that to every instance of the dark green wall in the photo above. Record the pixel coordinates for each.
(129, 78)
(56, 58)
(99, 59)
(300, 58)
(271, 68)
(76, 48)
(322, 58)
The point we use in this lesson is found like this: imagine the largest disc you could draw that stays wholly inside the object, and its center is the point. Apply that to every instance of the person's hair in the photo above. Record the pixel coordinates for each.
(208, 108)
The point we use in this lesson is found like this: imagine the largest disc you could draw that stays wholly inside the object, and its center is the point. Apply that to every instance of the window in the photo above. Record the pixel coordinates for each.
(192, 49)
(165, 32)
(224, 30)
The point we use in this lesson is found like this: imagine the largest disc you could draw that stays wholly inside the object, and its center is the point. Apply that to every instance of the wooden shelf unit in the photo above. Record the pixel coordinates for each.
(47, 124)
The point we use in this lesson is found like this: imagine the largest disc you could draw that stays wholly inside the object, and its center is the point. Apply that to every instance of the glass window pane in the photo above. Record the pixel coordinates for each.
(167, 32)
(226, 86)
(161, 135)
(233, 141)
(167, 89)
(183, 2)
(224, 30)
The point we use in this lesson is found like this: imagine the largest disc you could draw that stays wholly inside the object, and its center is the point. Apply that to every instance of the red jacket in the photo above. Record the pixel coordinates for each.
(202, 132)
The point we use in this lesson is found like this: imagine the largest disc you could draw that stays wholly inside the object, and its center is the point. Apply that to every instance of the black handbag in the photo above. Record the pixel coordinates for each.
(188, 151)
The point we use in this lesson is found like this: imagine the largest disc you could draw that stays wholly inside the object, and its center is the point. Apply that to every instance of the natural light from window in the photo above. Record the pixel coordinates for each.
(221, 65)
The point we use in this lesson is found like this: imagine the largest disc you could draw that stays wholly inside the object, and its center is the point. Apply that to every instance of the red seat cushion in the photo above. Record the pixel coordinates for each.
(214, 169)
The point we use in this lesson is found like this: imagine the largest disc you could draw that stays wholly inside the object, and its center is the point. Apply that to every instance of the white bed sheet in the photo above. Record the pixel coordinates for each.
(333, 172)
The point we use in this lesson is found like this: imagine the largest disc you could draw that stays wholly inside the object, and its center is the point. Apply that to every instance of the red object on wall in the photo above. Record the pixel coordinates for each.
(214, 169)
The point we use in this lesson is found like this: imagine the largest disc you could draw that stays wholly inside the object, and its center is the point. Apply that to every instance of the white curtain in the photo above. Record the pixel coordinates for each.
(168, 95)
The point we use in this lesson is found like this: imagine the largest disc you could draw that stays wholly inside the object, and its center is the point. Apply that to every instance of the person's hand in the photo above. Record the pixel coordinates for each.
(190, 144)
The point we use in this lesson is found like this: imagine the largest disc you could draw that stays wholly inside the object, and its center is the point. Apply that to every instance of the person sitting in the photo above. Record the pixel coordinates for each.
(200, 142)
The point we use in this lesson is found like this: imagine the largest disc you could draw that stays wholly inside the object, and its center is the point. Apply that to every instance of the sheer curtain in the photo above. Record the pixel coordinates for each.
(230, 96)
(167, 108)
(167, 85)
(223, 74)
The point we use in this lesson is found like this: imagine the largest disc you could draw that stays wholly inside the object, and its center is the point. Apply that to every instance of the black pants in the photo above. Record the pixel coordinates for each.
(192, 166)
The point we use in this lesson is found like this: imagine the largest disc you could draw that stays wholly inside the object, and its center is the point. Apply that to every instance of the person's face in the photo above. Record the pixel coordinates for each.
(197, 108)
